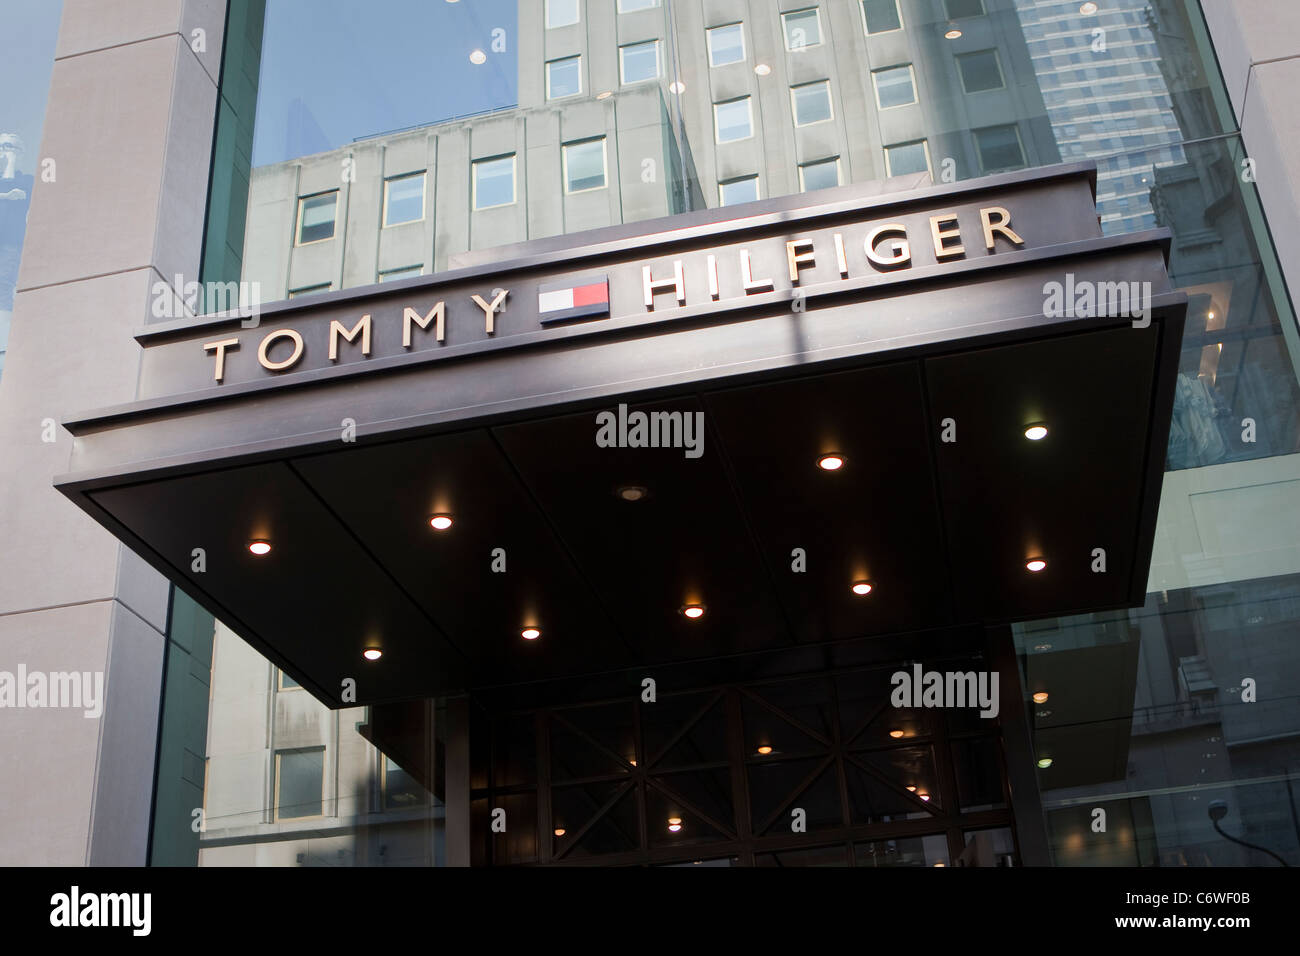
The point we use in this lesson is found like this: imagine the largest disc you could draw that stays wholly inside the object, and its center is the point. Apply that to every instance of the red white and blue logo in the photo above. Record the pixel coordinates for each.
(577, 298)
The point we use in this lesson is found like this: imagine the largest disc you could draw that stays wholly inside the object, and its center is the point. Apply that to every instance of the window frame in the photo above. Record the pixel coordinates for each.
(866, 31)
(324, 776)
(547, 70)
(925, 145)
(708, 43)
(653, 5)
(911, 76)
(749, 109)
(379, 276)
(785, 32)
(659, 63)
(514, 181)
(308, 289)
(297, 231)
(604, 164)
(830, 160)
(424, 197)
(1020, 142)
(794, 107)
(280, 687)
(739, 179)
(997, 62)
(546, 15)
(947, 11)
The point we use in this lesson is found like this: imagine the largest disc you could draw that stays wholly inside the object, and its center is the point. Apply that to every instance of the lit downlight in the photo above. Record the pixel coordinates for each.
(1036, 431)
(764, 750)
(1034, 565)
(862, 587)
(1044, 763)
(693, 611)
(440, 522)
(830, 462)
(674, 824)
(1040, 697)
(372, 653)
(530, 633)
(259, 547)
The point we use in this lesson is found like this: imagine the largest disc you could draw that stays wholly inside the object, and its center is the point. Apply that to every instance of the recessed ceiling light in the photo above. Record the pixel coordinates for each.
(259, 547)
(604, 94)
(559, 831)
(923, 795)
(440, 522)
(631, 492)
(896, 734)
(674, 824)
(1036, 432)
(372, 653)
(530, 633)
(911, 789)
(1088, 8)
(762, 69)
(862, 587)
(693, 611)
(478, 57)
(1209, 315)
(765, 750)
(1044, 763)
(677, 86)
(1040, 697)
(1042, 647)
(952, 34)
(830, 462)
(1035, 565)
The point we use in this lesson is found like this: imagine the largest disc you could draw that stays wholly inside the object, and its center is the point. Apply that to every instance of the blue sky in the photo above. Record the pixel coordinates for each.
(336, 70)
(28, 30)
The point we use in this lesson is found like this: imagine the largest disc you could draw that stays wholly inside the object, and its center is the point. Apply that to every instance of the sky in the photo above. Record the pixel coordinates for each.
(28, 30)
(337, 70)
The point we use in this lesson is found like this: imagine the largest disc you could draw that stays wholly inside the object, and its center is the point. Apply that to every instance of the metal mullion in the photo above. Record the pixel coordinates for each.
(799, 788)
(739, 775)
(690, 723)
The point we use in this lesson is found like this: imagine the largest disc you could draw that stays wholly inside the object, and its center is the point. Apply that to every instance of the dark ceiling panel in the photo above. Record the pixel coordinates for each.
(685, 542)
(875, 519)
(1006, 499)
(386, 493)
(317, 596)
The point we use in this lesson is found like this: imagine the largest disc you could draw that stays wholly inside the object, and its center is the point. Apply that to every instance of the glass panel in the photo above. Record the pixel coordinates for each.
(406, 273)
(820, 856)
(562, 13)
(584, 165)
(405, 199)
(494, 182)
(802, 29)
(316, 217)
(299, 781)
(726, 45)
(980, 71)
(894, 87)
(907, 158)
(881, 16)
(631, 6)
(977, 763)
(738, 191)
(564, 77)
(963, 8)
(733, 120)
(640, 61)
(812, 103)
(907, 851)
(1000, 148)
(821, 175)
(994, 847)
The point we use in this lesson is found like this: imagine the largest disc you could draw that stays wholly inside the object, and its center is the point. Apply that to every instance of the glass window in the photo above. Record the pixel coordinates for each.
(584, 165)
(405, 272)
(819, 175)
(811, 103)
(403, 199)
(894, 86)
(803, 28)
(563, 77)
(881, 16)
(907, 158)
(309, 290)
(957, 9)
(286, 682)
(738, 191)
(980, 71)
(562, 13)
(494, 182)
(733, 120)
(316, 217)
(631, 6)
(401, 789)
(639, 61)
(999, 148)
(726, 44)
(299, 783)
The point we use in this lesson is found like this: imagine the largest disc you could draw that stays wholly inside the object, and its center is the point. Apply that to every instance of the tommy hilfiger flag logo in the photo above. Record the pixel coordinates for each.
(575, 298)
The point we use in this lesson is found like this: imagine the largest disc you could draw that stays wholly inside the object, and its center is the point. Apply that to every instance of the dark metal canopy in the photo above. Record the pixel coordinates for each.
(922, 373)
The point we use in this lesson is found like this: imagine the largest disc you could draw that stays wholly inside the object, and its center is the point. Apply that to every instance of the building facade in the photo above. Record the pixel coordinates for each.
(297, 153)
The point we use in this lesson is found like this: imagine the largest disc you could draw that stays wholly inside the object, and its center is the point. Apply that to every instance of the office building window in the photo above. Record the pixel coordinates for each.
(726, 44)
(907, 158)
(959, 9)
(403, 199)
(811, 103)
(401, 790)
(639, 61)
(733, 120)
(494, 182)
(881, 16)
(1000, 148)
(405, 272)
(803, 28)
(822, 174)
(563, 77)
(562, 13)
(285, 682)
(299, 783)
(632, 6)
(309, 290)
(980, 71)
(584, 165)
(894, 86)
(738, 190)
(316, 217)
